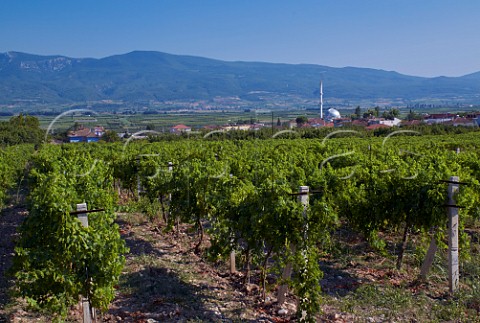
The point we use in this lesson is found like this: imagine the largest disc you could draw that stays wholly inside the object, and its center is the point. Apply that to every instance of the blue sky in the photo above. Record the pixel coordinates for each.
(415, 37)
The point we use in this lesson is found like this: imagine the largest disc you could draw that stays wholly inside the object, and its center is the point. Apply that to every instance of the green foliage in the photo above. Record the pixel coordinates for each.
(242, 190)
(241, 193)
(21, 129)
(110, 136)
(151, 208)
(56, 258)
(358, 113)
(412, 115)
(371, 113)
(301, 120)
(13, 161)
(391, 114)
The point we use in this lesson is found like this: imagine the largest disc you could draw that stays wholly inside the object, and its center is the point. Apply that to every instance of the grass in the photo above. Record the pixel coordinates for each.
(378, 301)
(382, 302)
(386, 294)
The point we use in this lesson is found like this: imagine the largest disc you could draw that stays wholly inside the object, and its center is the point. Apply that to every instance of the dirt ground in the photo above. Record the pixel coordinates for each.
(10, 219)
(165, 281)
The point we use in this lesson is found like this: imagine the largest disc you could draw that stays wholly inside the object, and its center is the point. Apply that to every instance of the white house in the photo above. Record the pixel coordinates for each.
(180, 128)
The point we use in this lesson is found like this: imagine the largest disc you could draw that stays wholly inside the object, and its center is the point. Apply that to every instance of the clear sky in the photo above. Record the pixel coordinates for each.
(415, 37)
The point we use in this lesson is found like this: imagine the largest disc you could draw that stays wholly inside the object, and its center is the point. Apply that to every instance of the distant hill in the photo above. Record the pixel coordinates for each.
(142, 76)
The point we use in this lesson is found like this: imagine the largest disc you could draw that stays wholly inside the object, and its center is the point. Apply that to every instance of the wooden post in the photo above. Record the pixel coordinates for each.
(453, 270)
(88, 311)
(287, 272)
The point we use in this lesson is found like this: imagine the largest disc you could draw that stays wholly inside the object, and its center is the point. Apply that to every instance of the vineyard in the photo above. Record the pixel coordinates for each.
(277, 218)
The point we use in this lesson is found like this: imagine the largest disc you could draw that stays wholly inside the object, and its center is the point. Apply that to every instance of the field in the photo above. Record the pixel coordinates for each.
(132, 120)
(162, 122)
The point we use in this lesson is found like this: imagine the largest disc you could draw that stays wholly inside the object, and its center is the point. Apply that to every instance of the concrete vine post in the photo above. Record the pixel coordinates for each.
(428, 261)
(453, 270)
(233, 267)
(453, 221)
(139, 183)
(287, 272)
(88, 311)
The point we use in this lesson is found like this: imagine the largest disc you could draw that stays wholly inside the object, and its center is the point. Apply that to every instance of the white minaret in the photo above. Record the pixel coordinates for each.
(321, 99)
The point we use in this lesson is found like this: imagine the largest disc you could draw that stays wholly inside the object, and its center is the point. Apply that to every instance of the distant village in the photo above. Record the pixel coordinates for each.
(332, 119)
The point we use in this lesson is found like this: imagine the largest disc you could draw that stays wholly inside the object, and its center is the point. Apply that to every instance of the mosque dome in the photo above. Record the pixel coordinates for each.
(333, 113)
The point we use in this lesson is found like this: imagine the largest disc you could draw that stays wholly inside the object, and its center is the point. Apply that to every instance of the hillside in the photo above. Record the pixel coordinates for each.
(154, 76)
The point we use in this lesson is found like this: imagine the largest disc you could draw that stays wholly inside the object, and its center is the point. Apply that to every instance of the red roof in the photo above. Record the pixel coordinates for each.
(463, 121)
(411, 122)
(316, 120)
(361, 123)
(85, 132)
(82, 132)
(180, 126)
(440, 116)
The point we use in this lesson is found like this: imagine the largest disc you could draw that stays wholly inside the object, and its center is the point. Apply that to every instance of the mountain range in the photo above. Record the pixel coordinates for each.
(145, 76)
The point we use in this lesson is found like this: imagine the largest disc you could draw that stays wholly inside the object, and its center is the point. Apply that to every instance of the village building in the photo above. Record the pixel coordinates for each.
(86, 134)
(439, 118)
(461, 121)
(386, 122)
(237, 127)
(180, 128)
(318, 123)
(342, 122)
(360, 123)
(411, 122)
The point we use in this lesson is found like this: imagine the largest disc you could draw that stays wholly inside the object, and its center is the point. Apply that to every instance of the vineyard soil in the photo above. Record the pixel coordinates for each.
(164, 280)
